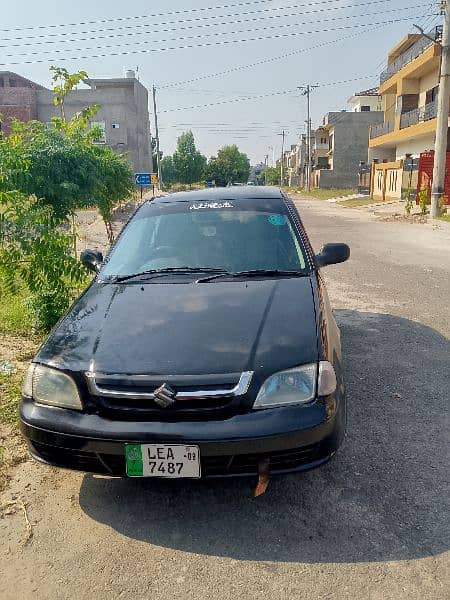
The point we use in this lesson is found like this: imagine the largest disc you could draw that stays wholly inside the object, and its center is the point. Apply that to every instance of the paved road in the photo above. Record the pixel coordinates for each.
(372, 524)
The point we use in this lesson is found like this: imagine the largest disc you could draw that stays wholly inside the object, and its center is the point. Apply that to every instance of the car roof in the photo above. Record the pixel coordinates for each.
(223, 193)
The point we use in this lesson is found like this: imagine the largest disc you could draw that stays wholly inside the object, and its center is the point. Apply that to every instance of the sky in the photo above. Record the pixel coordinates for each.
(340, 45)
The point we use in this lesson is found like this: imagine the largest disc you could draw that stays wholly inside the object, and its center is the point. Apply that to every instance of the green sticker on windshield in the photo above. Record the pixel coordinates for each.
(277, 220)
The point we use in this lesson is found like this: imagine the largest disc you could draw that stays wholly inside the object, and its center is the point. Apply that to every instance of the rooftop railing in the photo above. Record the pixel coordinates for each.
(413, 52)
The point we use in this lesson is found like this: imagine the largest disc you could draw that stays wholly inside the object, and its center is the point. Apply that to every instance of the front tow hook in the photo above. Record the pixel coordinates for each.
(263, 477)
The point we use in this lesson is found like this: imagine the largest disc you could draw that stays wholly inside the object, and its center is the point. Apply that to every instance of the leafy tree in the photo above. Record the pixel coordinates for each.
(273, 176)
(229, 166)
(35, 251)
(65, 168)
(46, 174)
(189, 164)
(168, 172)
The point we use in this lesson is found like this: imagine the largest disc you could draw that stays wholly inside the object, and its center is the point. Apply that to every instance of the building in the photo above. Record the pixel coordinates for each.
(409, 88)
(320, 148)
(341, 143)
(18, 99)
(366, 101)
(123, 115)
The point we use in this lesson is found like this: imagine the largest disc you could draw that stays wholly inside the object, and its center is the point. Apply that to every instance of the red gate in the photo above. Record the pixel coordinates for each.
(425, 175)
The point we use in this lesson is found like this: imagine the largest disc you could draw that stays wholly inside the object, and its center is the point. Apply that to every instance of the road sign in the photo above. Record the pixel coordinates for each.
(154, 178)
(142, 178)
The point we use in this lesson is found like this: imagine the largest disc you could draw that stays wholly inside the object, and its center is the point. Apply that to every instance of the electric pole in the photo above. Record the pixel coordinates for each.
(307, 92)
(440, 148)
(158, 156)
(266, 164)
(283, 134)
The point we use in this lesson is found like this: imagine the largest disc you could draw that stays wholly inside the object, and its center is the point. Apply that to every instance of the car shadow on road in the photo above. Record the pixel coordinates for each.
(385, 496)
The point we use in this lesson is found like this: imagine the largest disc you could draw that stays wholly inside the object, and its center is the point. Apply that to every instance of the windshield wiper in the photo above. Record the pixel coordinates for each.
(255, 273)
(168, 270)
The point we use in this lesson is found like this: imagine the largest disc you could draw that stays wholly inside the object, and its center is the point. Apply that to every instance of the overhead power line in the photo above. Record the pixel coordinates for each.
(205, 35)
(265, 95)
(219, 42)
(151, 16)
(191, 21)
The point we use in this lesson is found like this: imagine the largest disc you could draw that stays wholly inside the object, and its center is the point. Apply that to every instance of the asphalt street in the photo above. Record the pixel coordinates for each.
(371, 524)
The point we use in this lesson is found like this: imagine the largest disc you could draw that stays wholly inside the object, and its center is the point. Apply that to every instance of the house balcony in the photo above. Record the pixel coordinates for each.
(419, 115)
(381, 129)
(321, 147)
(411, 54)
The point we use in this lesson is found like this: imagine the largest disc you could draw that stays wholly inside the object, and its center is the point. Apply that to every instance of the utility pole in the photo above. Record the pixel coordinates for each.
(266, 164)
(283, 134)
(158, 156)
(307, 92)
(440, 148)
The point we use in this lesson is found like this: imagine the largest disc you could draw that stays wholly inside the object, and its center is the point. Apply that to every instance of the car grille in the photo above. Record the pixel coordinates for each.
(211, 466)
(115, 396)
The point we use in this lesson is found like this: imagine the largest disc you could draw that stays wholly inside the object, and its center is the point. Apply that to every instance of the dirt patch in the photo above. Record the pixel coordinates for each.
(91, 228)
(416, 218)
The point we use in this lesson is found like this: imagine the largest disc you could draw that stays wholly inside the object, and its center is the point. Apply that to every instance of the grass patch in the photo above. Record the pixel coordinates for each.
(10, 389)
(324, 194)
(445, 218)
(15, 316)
(355, 202)
(18, 345)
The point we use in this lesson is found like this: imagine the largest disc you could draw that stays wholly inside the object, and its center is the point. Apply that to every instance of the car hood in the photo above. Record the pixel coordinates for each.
(186, 328)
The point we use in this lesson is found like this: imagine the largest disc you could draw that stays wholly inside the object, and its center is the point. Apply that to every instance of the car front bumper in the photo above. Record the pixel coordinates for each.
(293, 438)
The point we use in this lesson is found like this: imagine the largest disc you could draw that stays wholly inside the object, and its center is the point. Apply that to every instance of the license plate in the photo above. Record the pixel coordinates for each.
(162, 460)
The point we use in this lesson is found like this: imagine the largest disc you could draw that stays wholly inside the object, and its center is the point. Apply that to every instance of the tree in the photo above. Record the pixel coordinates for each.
(65, 167)
(46, 174)
(155, 154)
(273, 176)
(35, 251)
(168, 170)
(189, 164)
(229, 166)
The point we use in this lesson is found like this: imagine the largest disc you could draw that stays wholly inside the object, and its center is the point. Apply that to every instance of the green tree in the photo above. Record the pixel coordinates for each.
(273, 176)
(65, 168)
(35, 251)
(189, 164)
(168, 172)
(229, 166)
(46, 174)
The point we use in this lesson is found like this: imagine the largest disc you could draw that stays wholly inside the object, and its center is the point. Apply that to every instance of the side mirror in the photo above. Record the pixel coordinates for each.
(91, 259)
(331, 254)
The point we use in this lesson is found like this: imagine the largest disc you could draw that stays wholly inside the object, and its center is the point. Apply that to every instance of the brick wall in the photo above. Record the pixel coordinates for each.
(17, 103)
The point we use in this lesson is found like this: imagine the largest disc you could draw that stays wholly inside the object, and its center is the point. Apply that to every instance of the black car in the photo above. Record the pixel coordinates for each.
(205, 346)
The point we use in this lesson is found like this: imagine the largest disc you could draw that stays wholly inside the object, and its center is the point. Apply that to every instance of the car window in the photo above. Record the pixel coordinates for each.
(235, 240)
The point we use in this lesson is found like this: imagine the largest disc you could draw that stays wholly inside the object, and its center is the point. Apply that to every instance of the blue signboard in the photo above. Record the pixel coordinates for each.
(142, 179)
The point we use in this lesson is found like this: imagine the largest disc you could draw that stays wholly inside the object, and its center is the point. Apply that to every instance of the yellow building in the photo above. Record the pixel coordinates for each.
(409, 88)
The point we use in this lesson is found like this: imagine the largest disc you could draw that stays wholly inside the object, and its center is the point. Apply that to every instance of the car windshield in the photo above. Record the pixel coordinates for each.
(233, 240)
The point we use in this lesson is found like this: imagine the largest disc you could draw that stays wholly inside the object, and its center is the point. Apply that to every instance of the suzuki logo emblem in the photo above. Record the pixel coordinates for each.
(165, 396)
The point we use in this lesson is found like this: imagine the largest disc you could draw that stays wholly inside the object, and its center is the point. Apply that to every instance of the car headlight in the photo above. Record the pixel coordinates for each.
(51, 387)
(297, 386)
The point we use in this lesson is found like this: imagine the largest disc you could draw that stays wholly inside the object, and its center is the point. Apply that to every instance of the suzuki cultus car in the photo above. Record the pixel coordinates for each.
(205, 346)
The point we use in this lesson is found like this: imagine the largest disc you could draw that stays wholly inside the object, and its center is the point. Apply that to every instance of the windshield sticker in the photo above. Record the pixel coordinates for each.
(199, 205)
(277, 219)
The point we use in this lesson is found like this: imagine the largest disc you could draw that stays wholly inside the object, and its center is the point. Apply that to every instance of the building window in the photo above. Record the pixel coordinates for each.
(365, 108)
(102, 126)
(431, 95)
